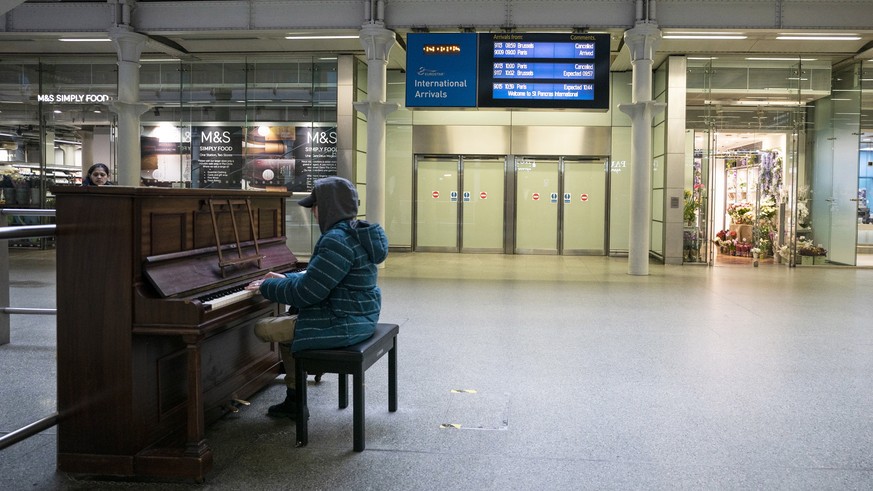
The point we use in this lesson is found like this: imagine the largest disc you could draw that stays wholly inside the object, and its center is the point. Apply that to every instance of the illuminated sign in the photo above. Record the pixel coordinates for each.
(74, 98)
(441, 49)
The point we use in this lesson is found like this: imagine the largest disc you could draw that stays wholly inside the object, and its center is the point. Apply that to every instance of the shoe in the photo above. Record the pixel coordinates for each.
(287, 408)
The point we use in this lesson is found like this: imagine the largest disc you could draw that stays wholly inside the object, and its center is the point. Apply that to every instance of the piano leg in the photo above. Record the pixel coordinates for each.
(195, 445)
(302, 424)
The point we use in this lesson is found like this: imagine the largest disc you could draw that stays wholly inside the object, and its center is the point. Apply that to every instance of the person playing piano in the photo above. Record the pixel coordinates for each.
(337, 298)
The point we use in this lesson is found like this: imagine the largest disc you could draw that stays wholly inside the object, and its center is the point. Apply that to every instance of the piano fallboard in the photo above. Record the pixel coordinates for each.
(168, 302)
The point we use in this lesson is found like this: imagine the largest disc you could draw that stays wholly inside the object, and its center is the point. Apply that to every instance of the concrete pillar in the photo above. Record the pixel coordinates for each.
(87, 133)
(642, 41)
(377, 42)
(675, 159)
(127, 107)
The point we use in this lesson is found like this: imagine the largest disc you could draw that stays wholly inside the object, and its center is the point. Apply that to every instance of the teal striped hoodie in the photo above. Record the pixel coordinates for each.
(337, 297)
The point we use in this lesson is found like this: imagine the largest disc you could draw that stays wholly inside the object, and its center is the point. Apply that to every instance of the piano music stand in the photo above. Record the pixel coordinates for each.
(224, 263)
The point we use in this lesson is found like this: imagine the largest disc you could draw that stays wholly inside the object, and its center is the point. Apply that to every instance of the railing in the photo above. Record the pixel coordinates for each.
(20, 232)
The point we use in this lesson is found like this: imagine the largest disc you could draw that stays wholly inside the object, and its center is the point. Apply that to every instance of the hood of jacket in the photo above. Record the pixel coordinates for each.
(371, 237)
(336, 199)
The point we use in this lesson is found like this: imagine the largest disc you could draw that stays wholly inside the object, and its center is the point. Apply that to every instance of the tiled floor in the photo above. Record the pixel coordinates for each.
(535, 372)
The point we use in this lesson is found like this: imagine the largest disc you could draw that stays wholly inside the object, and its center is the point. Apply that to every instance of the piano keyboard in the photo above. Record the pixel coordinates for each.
(223, 298)
(226, 297)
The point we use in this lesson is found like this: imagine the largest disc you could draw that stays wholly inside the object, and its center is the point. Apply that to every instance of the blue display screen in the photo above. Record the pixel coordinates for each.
(566, 71)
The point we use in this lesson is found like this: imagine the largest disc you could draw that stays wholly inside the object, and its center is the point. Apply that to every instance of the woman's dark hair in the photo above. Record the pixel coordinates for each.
(87, 180)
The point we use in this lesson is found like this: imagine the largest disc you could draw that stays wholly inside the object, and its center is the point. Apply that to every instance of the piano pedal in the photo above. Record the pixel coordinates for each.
(234, 405)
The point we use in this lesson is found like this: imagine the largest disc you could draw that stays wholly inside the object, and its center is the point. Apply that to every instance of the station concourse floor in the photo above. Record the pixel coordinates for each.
(538, 373)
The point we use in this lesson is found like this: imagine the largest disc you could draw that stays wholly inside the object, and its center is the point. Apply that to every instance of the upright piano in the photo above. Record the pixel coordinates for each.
(154, 331)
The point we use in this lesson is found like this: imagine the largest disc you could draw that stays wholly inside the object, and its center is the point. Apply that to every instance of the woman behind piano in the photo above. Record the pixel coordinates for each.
(97, 175)
(337, 298)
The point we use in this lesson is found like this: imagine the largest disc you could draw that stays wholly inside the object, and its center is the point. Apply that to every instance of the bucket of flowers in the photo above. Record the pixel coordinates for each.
(811, 254)
(726, 241)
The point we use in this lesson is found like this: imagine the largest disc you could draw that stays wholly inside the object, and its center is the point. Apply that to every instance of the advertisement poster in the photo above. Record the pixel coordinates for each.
(317, 153)
(273, 157)
(216, 156)
(269, 159)
(164, 159)
(289, 157)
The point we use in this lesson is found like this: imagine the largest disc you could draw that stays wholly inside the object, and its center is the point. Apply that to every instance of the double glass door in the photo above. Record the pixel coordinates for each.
(459, 204)
(561, 205)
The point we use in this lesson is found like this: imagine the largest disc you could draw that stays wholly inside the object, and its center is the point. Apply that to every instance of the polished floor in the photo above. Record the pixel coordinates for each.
(532, 372)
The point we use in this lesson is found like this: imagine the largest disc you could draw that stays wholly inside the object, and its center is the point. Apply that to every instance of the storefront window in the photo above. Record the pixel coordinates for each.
(267, 124)
(51, 110)
(749, 124)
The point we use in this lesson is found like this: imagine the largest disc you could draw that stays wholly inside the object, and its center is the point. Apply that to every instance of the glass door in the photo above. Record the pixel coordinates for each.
(843, 199)
(584, 196)
(483, 201)
(436, 204)
(561, 205)
(536, 217)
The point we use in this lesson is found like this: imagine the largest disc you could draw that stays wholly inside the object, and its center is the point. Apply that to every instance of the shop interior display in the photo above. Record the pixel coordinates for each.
(754, 205)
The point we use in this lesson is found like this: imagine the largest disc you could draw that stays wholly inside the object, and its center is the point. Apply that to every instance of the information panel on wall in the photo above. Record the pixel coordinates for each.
(557, 71)
(441, 70)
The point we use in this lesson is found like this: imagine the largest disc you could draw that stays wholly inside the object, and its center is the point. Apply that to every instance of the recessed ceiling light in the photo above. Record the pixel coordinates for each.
(703, 36)
(85, 40)
(768, 103)
(780, 59)
(807, 37)
(321, 37)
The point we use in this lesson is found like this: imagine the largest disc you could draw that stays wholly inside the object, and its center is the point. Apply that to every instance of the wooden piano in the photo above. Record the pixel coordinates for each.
(146, 356)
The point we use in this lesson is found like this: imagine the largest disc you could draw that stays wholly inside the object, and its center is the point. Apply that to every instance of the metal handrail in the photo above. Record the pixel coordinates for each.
(27, 231)
(28, 431)
(20, 232)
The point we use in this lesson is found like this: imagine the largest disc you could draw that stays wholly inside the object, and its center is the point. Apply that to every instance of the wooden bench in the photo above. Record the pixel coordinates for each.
(354, 360)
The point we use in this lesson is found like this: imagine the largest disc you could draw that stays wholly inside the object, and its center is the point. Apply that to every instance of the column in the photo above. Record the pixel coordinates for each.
(127, 107)
(377, 42)
(87, 133)
(641, 40)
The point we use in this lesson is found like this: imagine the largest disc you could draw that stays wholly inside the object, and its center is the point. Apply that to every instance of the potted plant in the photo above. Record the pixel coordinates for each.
(692, 205)
(22, 189)
(8, 189)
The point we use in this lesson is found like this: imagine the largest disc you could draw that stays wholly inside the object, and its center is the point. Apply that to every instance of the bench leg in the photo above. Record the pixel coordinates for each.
(392, 377)
(358, 410)
(302, 426)
(343, 379)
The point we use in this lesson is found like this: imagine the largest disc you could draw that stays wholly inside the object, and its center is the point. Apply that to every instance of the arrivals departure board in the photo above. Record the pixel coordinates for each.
(556, 71)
